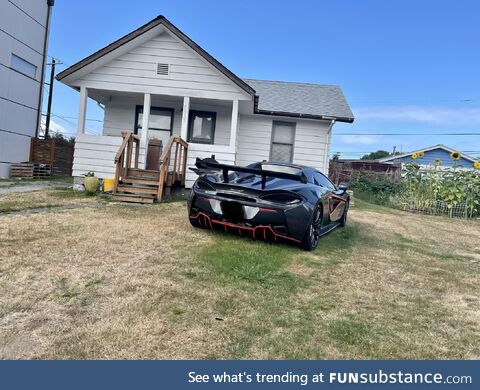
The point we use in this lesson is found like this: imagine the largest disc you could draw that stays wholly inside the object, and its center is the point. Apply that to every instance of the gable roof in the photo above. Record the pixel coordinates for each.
(435, 147)
(301, 99)
(159, 20)
(291, 99)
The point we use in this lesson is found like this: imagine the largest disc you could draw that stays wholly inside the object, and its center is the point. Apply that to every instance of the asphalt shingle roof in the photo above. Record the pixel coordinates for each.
(300, 98)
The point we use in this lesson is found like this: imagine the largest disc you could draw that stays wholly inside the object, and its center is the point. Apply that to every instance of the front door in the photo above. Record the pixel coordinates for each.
(160, 124)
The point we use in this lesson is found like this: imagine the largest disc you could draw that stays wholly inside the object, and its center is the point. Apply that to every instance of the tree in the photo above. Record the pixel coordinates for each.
(375, 155)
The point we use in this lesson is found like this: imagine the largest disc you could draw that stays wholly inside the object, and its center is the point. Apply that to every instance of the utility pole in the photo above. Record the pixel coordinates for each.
(50, 96)
(394, 150)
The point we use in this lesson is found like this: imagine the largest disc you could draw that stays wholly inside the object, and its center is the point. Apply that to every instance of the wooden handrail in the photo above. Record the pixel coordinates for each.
(179, 166)
(123, 158)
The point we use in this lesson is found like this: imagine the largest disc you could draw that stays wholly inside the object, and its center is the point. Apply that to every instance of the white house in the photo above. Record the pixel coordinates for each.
(24, 29)
(157, 78)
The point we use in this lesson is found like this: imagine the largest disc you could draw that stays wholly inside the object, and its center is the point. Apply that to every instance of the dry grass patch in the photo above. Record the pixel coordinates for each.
(24, 201)
(138, 282)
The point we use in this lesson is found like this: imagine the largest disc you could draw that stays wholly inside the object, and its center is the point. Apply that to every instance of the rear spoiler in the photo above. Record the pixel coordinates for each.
(212, 165)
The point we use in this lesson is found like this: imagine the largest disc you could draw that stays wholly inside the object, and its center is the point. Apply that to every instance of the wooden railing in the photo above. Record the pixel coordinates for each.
(179, 164)
(124, 156)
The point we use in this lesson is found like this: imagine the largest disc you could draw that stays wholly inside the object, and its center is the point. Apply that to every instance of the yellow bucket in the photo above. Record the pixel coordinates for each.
(108, 185)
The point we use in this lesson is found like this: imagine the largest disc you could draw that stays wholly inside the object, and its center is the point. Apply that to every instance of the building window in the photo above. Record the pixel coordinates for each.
(201, 127)
(161, 120)
(283, 135)
(23, 66)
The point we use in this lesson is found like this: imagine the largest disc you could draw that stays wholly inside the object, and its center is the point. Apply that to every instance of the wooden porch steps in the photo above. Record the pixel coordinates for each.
(133, 198)
(143, 181)
(135, 189)
(133, 184)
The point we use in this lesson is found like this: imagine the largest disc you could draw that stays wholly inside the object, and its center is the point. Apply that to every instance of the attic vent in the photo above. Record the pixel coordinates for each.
(162, 69)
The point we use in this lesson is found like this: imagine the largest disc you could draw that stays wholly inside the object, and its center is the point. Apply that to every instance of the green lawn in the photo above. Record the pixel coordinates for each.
(139, 282)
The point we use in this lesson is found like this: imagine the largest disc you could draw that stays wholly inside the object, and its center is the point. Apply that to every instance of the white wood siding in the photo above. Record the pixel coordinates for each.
(255, 134)
(189, 74)
(223, 154)
(120, 115)
(96, 153)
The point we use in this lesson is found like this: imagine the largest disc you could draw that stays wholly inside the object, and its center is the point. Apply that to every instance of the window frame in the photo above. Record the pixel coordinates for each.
(12, 55)
(294, 127)
(191, 113)
(139, 110)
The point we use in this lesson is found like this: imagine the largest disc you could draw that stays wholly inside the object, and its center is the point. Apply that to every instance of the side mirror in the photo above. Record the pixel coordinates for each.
(343, 186)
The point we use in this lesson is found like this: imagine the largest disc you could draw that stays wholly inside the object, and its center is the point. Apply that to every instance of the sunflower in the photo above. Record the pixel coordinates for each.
(476, 164)
(421, 153)
(414, 156)
(455, 155)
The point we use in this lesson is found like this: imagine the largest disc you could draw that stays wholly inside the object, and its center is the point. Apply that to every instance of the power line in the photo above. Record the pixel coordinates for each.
(401, 134)
(462, 100)
(74, 118)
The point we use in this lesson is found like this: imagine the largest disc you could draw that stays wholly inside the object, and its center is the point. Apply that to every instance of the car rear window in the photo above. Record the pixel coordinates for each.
(280, 168)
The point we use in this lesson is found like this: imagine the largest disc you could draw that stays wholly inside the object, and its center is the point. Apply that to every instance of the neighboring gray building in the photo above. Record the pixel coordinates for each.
(24, 26)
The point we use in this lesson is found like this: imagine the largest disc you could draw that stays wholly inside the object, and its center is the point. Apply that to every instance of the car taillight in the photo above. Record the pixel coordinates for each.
(285, 198)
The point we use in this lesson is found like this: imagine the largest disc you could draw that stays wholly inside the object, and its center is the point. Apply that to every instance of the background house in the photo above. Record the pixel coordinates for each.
(156, 82)
(24, 29)
(427, 157)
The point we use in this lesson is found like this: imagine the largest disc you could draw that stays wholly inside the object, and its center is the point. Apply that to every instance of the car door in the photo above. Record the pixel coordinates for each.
(335, 201)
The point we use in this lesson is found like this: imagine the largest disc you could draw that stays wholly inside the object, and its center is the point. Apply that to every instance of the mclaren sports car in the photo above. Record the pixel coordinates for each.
(269, 201)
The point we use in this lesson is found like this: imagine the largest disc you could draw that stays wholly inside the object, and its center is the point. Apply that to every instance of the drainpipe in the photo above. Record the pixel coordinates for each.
(327, 147)
(50, 4)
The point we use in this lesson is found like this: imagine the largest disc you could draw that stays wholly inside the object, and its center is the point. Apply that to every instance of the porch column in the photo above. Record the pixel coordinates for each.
(147, 99)
(82, 110)
(233, 127)
(186, 110)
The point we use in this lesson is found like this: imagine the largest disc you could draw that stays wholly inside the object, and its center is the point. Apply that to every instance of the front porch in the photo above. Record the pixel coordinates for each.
(201, 126)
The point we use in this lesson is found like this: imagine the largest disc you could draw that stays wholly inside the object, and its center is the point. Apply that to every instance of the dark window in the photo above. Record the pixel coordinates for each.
(161, 120)
(283, 135)
(201, 127)
(321, 180)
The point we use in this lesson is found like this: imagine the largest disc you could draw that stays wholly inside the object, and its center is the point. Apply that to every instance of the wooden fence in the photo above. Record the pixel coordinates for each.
(59, 155)
(342, 170)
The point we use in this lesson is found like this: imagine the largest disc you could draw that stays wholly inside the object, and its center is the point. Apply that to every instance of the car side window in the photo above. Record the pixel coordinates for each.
(322, 180)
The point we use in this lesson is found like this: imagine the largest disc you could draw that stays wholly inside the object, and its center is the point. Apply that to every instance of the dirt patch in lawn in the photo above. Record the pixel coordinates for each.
(138, 282)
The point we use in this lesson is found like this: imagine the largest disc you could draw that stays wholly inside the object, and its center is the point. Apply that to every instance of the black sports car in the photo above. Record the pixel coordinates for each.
(269, 201)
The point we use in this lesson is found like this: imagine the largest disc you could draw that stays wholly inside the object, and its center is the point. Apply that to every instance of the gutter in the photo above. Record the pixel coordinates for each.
(50, 4)
(327, 147)
(304, 116)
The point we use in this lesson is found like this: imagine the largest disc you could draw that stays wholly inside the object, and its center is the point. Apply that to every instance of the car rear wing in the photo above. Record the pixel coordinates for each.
(209, 164)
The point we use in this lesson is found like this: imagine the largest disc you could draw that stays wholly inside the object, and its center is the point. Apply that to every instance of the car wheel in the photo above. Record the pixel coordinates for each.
(343, 221)
(312, 236)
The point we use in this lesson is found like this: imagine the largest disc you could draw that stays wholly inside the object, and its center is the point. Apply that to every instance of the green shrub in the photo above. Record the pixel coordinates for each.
(375, 187)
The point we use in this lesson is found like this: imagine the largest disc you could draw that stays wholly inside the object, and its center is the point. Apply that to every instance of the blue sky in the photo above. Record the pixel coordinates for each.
(405, 66)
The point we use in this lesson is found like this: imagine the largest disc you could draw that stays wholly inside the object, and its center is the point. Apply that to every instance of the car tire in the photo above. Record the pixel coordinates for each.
(343, 220)
(312, 236)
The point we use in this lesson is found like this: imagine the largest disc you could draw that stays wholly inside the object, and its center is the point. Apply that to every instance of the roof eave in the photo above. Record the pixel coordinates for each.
(305, 116)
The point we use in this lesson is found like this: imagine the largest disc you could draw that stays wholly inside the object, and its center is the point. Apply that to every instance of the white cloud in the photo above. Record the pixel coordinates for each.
(359, 139)
(433, 115)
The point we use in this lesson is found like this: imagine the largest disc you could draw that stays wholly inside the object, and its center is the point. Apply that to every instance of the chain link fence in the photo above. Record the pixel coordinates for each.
(433, 207)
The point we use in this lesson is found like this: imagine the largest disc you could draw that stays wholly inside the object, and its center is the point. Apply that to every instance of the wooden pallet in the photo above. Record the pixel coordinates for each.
(30, 170)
